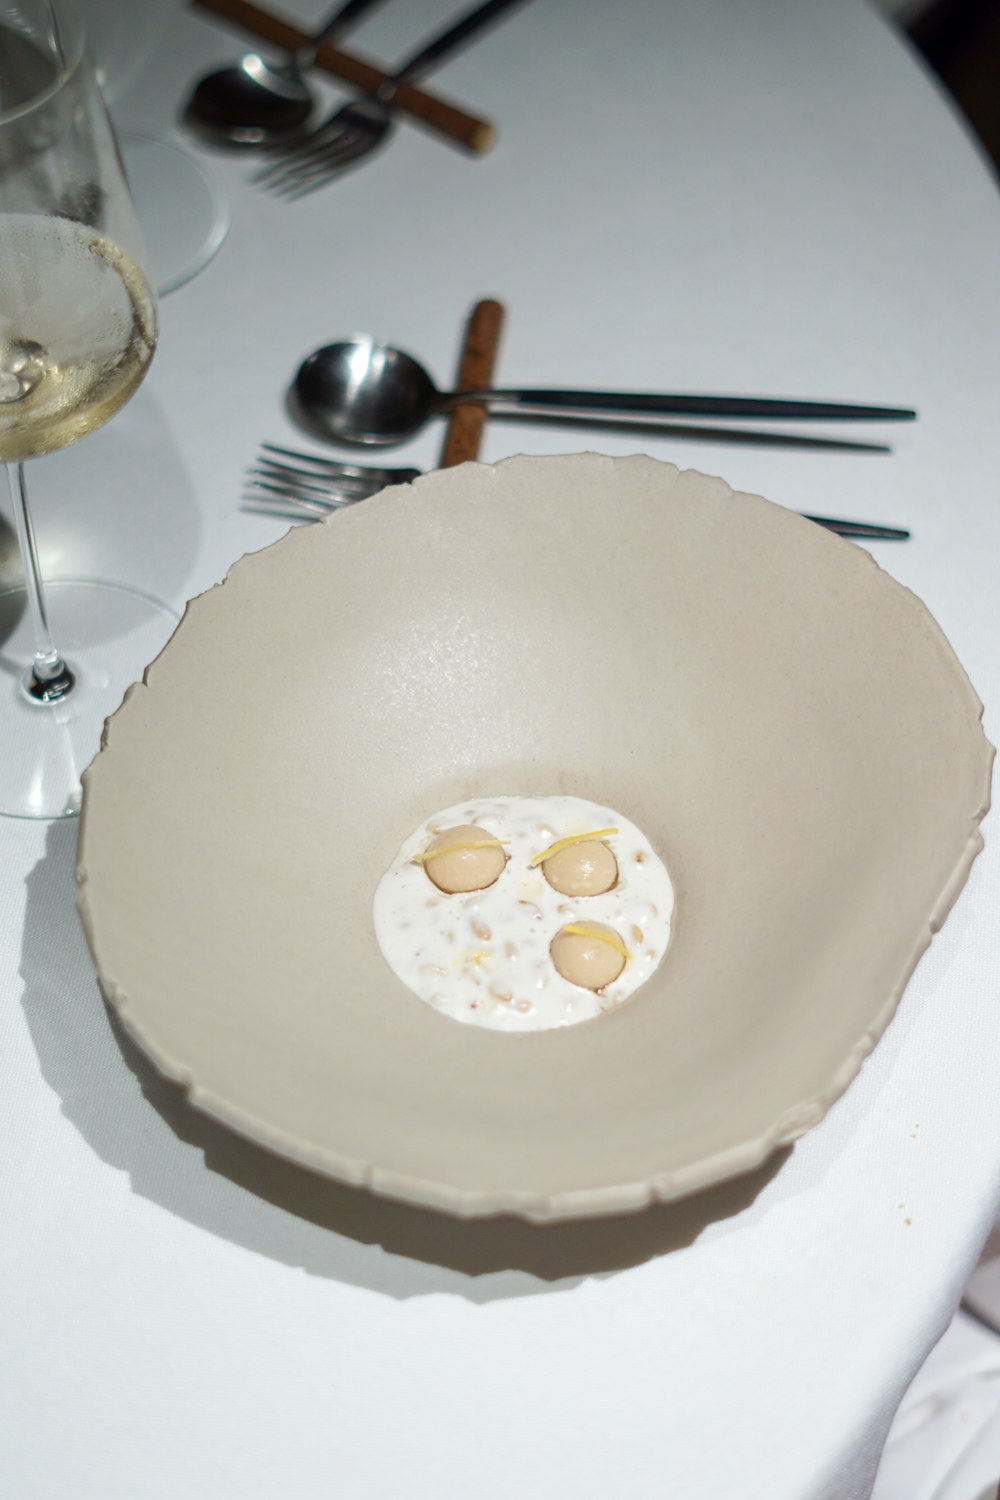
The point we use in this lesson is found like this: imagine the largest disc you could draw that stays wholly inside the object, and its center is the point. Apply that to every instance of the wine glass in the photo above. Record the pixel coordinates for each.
(78, 328)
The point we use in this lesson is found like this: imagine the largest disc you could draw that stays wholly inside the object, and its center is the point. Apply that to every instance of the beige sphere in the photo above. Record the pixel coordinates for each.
(592, 959)
(585, 869)
(461, 866)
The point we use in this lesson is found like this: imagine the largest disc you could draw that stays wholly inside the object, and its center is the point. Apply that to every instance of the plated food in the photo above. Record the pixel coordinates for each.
(524, 914)
(785, 725)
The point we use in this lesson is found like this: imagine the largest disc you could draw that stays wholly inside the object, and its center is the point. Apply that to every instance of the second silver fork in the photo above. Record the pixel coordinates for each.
(356, 130)
(292, 484)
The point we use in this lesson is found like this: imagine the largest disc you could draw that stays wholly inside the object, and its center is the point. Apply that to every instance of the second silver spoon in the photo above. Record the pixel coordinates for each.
(255, 103)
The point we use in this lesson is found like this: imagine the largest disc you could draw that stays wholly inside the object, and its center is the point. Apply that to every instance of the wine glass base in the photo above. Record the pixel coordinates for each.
(108, 635)
(181, 206)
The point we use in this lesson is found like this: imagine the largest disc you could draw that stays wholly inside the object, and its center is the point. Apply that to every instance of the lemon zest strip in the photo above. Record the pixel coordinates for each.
(579, 930)
(421, 859)
(574, 838)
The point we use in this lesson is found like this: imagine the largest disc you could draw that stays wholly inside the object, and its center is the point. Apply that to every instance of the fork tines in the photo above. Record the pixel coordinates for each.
(310, 162)
(285, 480)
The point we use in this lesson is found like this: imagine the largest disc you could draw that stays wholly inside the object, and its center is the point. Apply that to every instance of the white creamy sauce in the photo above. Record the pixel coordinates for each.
(483, 957)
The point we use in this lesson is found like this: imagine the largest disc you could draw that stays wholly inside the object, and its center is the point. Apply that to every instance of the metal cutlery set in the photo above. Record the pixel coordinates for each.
(352, 133)
(254, 104)
(363, 392)
(370, 394)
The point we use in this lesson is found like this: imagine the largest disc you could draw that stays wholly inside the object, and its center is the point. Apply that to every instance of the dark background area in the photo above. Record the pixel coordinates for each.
(960, 39)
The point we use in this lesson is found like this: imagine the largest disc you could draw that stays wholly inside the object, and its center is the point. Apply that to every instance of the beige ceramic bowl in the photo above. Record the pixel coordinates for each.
(787, 724)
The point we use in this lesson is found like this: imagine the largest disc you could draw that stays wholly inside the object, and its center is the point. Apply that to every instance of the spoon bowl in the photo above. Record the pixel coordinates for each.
(364, 392)
(250, 103)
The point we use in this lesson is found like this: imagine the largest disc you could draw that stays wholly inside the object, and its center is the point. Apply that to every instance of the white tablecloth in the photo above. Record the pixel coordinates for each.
(944, 1443)
(698, 194)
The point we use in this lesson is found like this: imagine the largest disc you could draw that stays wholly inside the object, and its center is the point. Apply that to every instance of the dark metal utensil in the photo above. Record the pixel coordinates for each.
(361, 391)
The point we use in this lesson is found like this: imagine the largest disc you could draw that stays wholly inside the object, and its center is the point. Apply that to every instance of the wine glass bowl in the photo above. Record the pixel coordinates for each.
(77, 314)
(78, 329)
(89, 332)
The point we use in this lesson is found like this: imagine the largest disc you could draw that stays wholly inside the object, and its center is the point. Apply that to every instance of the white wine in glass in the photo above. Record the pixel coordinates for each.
(77, 332)
(80, 340)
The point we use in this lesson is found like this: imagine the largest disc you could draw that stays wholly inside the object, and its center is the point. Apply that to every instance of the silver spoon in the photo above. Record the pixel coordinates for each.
(253, 102)
(361, 391)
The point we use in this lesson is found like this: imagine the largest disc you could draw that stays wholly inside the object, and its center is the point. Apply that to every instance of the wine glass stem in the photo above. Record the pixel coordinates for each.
(49, 678)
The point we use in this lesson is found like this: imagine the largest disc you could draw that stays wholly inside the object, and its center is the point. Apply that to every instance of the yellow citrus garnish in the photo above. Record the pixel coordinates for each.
(574, 838)
(579, 929)
(421, 859)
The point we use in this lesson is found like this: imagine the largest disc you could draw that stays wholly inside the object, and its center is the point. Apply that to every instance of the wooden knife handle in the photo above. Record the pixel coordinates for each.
(447, 119)
(475, 373)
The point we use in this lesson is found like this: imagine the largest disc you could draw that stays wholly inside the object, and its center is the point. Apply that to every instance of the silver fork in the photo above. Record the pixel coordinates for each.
(357, 129)
(303, 486)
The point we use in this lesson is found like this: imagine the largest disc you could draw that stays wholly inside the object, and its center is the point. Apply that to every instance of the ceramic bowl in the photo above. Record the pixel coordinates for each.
(786, 723)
